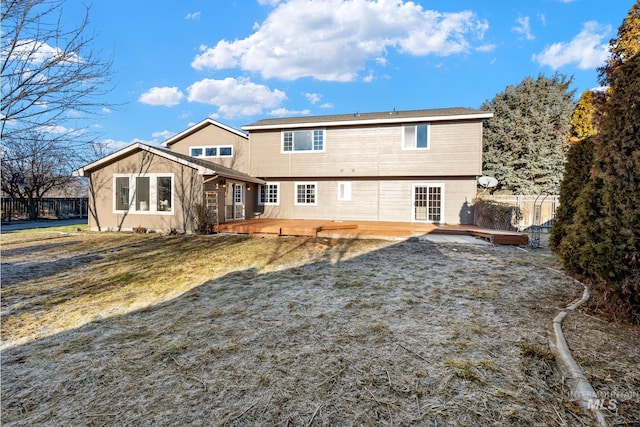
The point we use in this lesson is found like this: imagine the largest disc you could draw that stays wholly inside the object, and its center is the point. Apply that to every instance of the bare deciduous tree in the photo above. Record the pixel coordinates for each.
(53, 84)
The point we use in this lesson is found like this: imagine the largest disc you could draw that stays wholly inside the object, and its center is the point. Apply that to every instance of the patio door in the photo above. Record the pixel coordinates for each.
(235, 202)
(428, 203)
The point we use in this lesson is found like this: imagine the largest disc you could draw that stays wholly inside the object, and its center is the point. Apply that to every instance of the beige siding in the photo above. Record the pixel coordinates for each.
(359, 151)
(455, 149)
(373, 200)
(214, 135)
(187, 190)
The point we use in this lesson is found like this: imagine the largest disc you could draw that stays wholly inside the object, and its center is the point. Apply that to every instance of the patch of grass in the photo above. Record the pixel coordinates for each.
(536, 351)
(469, 370)
(348, 283)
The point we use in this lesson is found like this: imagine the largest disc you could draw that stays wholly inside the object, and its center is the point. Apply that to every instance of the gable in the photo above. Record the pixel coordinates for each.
(206, 132)
(142, 158)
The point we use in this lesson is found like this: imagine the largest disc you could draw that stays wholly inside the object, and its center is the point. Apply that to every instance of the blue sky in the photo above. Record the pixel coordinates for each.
(176, 63)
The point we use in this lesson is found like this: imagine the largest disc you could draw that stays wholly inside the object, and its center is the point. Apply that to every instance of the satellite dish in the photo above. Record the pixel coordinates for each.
(487, 181)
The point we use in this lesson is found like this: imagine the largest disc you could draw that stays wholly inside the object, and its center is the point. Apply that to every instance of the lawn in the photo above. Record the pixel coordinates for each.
(147, 329)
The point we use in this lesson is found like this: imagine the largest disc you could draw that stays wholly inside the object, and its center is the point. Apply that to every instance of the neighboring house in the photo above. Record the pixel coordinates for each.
(405, 166)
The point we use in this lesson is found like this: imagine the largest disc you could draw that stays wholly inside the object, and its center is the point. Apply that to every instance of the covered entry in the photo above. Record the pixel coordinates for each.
(428, 203)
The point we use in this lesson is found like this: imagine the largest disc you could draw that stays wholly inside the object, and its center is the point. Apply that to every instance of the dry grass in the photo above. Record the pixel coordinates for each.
(139, 329)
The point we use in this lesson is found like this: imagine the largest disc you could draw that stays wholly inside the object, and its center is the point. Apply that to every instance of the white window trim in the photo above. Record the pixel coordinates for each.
(277, 202)
(324, 142)
(153, 194)
(415, 142)
(204, 150)
(347, 191)
(442, 201)
(295, 193)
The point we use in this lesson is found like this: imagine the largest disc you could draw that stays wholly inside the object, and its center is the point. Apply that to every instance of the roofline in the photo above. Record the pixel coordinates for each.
(369, 121)
(202, 170)
(199, 126)
(140, 146)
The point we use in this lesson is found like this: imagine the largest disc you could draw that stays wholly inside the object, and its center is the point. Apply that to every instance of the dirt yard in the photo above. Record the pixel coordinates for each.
(135, 330)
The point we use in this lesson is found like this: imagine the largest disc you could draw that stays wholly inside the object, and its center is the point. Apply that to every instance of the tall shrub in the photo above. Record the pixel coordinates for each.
(576, 176)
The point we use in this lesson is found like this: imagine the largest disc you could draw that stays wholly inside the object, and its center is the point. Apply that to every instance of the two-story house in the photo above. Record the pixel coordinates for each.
(403, 166)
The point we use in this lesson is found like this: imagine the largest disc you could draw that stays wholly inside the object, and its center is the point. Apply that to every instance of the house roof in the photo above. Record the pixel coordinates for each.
(195, 128)
(204, 167)
(386, 117)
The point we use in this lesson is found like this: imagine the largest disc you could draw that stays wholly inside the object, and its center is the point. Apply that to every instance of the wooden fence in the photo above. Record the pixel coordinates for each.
(48, 207)
(532, 211)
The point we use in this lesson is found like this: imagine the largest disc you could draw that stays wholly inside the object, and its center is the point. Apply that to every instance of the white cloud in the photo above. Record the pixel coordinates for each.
(486, 48)
(586, 50)
(163, 134)
(313, 98)
(524, 28)
(112, 145)
(36, 52)
(326, 105)
(333, 39)
(106, 110)
(167, 96)
(56, 129)
(235, 97)
(283, 112)
(194, 16)
(368, 78)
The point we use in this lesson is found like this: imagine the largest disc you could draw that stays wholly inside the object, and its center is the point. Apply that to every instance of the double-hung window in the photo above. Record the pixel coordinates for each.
(415, 137)
(306, 193)
(269, 194)
(303, 141)
(148, 193)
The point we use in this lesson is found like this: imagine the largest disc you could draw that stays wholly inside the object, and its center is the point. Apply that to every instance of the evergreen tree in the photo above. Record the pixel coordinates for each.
(602, 244)
(625, 46)
(525, 142)
(617, 163)
(602, 241)
(586, 119)
(582, 125)
(576, 177)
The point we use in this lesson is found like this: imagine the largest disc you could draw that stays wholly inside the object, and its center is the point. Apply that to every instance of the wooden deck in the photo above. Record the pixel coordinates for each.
(364, 230)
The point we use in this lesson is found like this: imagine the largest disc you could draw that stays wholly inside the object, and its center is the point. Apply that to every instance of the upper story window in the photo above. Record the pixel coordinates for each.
(149, 193)
(415, 137)
(303, 140)
(212, 151)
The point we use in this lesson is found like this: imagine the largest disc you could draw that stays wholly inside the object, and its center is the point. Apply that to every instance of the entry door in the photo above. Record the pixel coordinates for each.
(428, 202)
(235, 202)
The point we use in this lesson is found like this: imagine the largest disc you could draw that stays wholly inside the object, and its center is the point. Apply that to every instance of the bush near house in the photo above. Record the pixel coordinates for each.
(494, 215)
